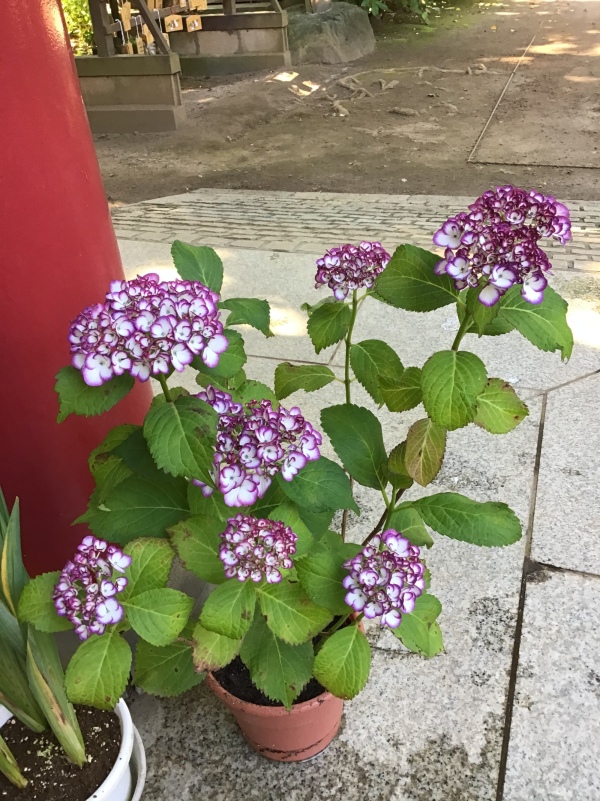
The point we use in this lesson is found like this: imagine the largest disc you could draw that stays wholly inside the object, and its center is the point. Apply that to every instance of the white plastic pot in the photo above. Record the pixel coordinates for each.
(118, 785)
(122, 783)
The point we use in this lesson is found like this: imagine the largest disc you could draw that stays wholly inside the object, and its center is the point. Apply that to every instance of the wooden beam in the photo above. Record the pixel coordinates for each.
(251, 19)
(105, 44)
(229, 7)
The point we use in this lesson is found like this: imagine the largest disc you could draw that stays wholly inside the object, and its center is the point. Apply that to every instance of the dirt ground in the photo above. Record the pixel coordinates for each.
(407, 119)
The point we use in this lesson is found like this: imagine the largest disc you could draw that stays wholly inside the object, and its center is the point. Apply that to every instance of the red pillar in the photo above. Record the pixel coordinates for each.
(57, 255)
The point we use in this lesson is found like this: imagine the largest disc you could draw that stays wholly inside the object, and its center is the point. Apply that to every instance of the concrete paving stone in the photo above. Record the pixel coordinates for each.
(251, 273)
(555, 734)
(287, 280)
(422, 730)
(416, 336)
(566, 530)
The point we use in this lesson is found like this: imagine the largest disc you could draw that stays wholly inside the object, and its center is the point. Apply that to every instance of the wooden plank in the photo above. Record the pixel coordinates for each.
(105, 44)
(251, 19)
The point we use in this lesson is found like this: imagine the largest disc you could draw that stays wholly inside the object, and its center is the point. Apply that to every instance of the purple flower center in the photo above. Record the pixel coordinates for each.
(254, 443)
(495, 244)
(256, 549)
(349, 267)
(385, 581)
(86, 590)
(147, 327)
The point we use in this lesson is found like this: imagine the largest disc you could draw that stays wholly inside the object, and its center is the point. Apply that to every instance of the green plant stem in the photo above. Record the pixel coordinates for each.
(348, 342)
(347, 382)
(165, 388)
(462, 330)
(385, 517)
(341, 622)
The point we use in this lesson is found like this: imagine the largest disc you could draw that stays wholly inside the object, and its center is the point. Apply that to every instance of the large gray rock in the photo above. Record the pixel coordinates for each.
(343, 33)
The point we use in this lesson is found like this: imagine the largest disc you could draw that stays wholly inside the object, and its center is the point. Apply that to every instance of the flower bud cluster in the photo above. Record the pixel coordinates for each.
(87, 588)
(254, 443)
(256, 549)
(495, 243)
(385, 583)
(147, 327)
(350, 267)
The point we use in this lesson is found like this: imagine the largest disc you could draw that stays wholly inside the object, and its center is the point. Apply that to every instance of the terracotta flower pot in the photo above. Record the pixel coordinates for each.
(285, 736)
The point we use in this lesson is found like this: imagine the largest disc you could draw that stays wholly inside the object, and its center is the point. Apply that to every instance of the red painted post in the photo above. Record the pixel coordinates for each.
(57, 255)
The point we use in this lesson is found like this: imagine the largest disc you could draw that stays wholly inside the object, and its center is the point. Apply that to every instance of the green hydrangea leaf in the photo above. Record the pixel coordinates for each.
(404, 392)
(76, 397)
(211, 650)
(249, 311)
(278, 669)
(99, 671)
(197, 541)
(198, 263)
(290, 613)
(491, 524)
(158, 616)
(451, 382)
(499, 408)
(328, 324)
(151, 561)
(290, 378)
(37, 607)
(320, 486)
(425, 448)
(409, 282)
(229, 609)
(166, 670)
(357, 438)
(544, 325)
(372, 361)
(343, 663)
(419, 631)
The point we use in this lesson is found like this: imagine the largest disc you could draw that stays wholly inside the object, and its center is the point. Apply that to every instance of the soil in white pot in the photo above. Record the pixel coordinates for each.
(42, 761)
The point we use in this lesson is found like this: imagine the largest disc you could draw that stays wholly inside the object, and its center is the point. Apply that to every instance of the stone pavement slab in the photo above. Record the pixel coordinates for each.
(566, 532)
(555, 735)
(311, 222)
(287, 281)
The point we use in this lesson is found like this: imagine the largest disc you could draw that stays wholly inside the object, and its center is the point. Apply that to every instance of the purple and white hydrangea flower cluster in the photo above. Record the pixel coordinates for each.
(495, 243)
(385, 583)
(252, 548)
(147, 327)
(87, 588)
(254, 443)
(350, 267)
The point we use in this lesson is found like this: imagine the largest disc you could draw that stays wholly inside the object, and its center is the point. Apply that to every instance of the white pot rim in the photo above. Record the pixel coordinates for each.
(123, 758)
(124, 755)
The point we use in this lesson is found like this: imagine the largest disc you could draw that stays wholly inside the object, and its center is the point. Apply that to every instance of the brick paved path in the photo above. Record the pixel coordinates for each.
(310, 222)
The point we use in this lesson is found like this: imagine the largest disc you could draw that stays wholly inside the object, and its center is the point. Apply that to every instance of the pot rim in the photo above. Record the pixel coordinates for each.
(123, 757)
(266, 711)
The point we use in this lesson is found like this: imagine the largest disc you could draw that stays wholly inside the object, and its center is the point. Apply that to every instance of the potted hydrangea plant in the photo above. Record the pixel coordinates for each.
(235, 482)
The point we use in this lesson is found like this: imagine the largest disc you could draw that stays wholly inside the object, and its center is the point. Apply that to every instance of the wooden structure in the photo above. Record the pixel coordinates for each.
(147, 24)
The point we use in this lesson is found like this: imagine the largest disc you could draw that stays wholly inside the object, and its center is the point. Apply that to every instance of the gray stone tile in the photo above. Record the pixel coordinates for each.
(416, 336)
(422, 730)
(566, 530)
(285, 280)
(555, 737)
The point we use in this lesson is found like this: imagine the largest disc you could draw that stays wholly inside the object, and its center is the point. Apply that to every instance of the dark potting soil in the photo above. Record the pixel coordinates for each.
(235, 678)
(42, 761)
